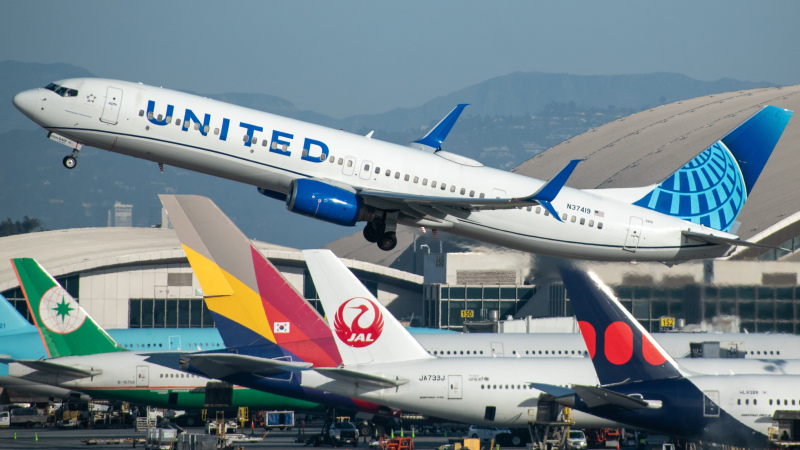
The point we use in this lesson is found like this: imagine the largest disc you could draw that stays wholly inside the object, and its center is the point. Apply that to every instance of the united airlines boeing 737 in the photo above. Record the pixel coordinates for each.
(346, 178)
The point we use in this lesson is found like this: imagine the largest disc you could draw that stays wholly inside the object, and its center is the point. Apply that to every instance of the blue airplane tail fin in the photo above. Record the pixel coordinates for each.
(711, 188)
(621, 350)
(11, 321)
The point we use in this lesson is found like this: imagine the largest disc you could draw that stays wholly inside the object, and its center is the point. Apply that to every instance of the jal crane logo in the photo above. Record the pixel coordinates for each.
(358, 322)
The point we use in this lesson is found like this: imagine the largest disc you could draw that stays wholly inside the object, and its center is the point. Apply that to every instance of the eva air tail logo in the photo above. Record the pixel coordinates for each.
(59, 312)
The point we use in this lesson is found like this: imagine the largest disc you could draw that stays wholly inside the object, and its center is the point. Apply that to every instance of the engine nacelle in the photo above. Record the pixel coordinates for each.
(325, 202)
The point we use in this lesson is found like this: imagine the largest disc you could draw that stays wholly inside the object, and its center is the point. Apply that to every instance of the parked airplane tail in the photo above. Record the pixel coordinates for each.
(621, 350)
(711, 188)
(11, 321)
(258, 313)
(66, 328)
(364, 330)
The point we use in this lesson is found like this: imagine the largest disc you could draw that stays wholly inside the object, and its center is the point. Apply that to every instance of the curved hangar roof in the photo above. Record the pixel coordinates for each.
(644, 148)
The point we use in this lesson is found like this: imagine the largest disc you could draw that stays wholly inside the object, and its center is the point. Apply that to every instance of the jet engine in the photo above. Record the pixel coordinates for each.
(325, 202)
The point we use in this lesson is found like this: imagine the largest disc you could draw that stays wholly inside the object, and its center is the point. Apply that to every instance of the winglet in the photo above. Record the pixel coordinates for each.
(550, 190)
(432, 141)
(66, 328)
(547, 193)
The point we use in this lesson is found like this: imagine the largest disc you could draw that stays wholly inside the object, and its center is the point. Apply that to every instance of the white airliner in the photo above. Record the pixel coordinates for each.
(345, 178)
(382, 364)
(643, 386)
(278, 343)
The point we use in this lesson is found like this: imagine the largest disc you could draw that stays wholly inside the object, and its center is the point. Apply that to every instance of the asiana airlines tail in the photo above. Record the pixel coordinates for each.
(347, 179)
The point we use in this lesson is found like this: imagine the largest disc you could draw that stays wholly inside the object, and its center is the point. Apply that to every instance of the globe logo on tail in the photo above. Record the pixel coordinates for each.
(59, 312)
(358, 322)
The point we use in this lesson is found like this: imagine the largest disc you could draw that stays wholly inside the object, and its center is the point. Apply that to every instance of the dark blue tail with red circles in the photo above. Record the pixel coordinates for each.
(621, 350)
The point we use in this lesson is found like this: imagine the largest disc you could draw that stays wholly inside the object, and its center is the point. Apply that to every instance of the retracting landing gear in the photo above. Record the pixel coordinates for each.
(71, 160)
(382, 230)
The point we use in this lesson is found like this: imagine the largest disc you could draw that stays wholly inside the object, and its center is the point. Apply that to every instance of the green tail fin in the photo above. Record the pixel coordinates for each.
(65, 327)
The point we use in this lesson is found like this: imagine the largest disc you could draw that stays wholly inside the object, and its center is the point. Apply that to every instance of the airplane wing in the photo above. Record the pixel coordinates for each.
(712, 239)
(23, 368)
(423, 203)
(220, 365)
(593, 396)
(360, 378)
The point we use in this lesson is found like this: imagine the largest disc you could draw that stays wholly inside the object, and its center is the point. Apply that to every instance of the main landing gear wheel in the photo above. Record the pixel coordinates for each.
(387, 241)
(371, 234)
(70, 162)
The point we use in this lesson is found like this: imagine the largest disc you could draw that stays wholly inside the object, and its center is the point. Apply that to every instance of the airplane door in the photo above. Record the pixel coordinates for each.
(634, 233)
(366, 170)
(142, 376)
(174, 342)
(111, 109)
(497, 349)
(349, 165)
(711, 404)
(454, 386)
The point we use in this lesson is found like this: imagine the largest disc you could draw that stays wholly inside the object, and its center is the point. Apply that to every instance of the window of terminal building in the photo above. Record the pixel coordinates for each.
(169, 313)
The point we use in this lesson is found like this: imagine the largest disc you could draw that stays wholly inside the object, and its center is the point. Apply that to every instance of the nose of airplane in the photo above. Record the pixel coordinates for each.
(25, 101)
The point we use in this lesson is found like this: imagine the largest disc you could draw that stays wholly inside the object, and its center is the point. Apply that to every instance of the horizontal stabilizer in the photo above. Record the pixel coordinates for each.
(21, 368)
(711, 239)
(596, 396)
(361, 378)
(555, 391)
(220, 365)
(432, 141)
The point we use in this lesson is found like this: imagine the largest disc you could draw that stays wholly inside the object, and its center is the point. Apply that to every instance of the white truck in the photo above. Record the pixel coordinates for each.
(23, 417)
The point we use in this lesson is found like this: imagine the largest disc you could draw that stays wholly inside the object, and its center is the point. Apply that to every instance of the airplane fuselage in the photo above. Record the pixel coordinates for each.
(270, 152)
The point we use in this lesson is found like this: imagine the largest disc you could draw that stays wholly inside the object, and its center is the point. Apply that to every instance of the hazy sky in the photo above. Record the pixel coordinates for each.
(354, 57)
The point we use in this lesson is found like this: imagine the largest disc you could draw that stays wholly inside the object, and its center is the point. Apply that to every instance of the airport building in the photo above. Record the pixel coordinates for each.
(140, 277)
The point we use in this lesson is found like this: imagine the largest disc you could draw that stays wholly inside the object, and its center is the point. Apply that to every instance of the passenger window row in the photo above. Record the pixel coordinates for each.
(177, 375)
(777, 402)
(771, 352)
(190, 345)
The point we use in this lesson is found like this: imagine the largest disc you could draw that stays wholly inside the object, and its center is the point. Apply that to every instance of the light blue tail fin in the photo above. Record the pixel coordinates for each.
(11, 321)
(711, 189)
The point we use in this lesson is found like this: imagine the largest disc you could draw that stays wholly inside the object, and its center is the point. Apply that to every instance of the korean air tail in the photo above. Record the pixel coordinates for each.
(257, 312)
(11, 321)
(712, 188)
(621, 350)
(65, 327)
(364, 330)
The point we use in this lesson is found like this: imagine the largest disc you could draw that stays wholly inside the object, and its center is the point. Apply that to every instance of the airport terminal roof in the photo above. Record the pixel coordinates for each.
(644, 148)
(65, 252)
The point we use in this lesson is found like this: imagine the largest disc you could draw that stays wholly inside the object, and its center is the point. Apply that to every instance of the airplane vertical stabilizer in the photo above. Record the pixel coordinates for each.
(11, 321)
(255, 309)
(364, 330)
(712, 188)
(621, 350)
(66, 328)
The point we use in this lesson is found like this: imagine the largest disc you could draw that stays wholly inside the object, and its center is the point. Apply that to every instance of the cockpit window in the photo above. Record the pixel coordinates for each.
(62, 90)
